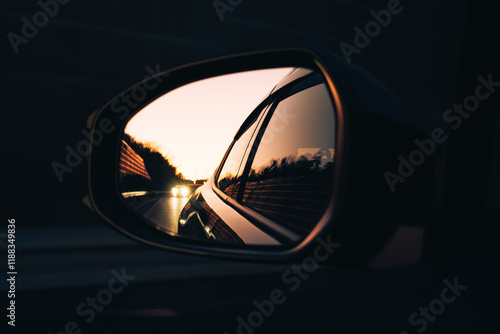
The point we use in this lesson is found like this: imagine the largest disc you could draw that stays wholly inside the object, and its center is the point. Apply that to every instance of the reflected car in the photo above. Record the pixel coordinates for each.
(184, 190)
(264, 194)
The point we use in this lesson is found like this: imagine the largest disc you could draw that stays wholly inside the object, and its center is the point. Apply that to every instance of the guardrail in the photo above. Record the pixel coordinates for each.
(131, 163)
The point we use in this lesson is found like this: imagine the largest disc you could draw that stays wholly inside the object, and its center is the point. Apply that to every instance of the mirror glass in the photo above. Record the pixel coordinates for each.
(245, 158)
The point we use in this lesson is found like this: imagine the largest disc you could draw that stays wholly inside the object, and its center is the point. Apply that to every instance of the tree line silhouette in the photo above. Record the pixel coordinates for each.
(291, 166)
(163, 173)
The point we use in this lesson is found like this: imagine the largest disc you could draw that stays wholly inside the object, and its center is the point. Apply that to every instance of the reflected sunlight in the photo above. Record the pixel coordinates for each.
(193, 125)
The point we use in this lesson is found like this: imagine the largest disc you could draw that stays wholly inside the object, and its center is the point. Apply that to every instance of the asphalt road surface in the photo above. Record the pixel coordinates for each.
(162, 210)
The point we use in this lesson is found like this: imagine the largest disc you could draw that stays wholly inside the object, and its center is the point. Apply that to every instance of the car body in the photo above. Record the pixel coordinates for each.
(279, 115)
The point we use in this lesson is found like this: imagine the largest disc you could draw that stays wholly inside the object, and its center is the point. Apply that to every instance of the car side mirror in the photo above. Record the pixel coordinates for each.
(244, 156)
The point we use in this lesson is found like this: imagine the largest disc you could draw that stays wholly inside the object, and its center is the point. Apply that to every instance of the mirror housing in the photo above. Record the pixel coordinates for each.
(373, 124)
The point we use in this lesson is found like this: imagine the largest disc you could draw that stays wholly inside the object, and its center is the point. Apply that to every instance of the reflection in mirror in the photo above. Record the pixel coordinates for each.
(276, 179)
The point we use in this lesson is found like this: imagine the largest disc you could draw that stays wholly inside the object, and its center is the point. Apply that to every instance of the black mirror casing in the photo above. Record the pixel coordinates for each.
(373, 127)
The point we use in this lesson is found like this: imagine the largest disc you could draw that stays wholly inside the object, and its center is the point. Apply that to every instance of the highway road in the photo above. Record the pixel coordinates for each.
(161, 209)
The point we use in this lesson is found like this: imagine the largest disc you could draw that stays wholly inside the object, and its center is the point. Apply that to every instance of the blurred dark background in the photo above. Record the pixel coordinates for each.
(430, 54)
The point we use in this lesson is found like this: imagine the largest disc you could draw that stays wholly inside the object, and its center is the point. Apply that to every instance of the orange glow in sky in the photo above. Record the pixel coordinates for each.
(194, 125)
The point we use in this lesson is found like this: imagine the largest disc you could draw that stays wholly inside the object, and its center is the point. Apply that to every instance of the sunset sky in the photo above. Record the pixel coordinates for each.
(194, 124)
